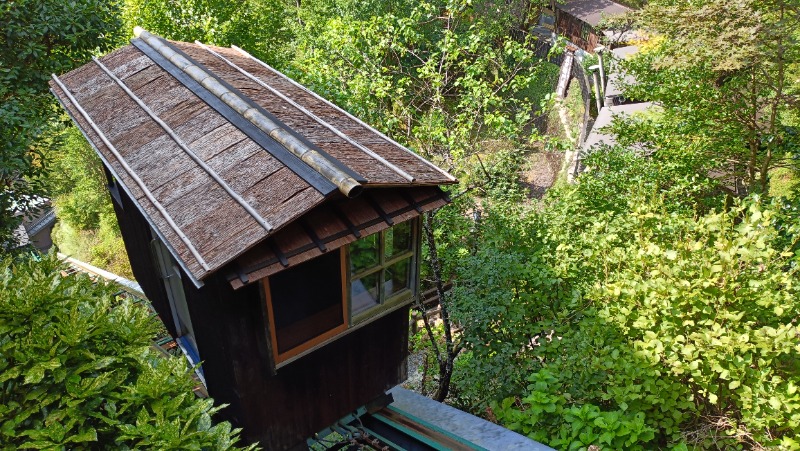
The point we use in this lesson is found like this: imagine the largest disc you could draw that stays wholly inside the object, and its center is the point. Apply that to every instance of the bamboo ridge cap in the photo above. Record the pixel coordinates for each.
(346, 184)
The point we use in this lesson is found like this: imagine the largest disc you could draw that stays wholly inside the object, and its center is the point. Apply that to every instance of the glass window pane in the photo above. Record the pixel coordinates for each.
(364, 293)
(364, 253)
(398, 277)
(398, 239)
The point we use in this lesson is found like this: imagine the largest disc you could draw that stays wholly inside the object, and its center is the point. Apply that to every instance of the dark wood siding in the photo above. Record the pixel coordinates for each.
(280, 410)
(136, 234)
(578, 32)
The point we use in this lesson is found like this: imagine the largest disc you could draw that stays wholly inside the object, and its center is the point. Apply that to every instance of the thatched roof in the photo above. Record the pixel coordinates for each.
(222, 153)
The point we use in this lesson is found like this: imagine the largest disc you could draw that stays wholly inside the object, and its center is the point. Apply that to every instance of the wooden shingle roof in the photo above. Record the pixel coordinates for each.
(224, 155)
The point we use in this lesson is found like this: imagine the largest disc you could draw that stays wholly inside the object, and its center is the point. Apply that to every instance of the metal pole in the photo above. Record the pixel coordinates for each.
(599, 50)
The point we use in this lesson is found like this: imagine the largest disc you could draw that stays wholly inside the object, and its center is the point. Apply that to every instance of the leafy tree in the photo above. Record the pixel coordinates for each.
(78, 370)
(258, 26)
(87, 226)
(77, 179)
(615, 315)
(39, 37)
(725, 73)
(442, 77)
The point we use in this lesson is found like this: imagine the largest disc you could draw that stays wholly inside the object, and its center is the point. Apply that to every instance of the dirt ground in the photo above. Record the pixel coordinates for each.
(542, 172)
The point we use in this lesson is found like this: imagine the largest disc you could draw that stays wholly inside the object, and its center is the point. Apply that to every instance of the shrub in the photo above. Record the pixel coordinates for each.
(78, 370)
(655, 323)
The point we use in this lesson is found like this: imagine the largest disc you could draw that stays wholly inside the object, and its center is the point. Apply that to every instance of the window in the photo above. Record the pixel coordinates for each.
(306, 305)
(382, 270)
(311, 303)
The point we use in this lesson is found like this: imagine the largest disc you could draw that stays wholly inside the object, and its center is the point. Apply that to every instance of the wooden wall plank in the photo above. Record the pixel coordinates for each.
(281, 411)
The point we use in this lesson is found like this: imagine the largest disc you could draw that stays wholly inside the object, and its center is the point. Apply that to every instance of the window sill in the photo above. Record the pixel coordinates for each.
(402, 302)
(378, 309)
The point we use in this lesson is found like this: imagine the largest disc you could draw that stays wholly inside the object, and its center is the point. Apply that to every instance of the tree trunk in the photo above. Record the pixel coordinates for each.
(451, 350)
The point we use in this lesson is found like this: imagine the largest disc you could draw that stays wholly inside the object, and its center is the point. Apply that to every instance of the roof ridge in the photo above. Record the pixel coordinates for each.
(314, 159)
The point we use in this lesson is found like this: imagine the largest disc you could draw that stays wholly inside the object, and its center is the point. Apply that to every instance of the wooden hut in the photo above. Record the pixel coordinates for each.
(578, 20)
(277, 233)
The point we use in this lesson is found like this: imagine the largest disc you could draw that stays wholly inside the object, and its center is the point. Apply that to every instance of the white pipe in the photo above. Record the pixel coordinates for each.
(599, 51)
(127, 284)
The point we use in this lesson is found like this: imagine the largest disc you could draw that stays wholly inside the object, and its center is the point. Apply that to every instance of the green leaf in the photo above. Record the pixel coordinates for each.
(36, 374)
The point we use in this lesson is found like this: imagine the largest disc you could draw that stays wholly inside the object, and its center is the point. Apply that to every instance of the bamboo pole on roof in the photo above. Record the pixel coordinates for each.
(346, 184)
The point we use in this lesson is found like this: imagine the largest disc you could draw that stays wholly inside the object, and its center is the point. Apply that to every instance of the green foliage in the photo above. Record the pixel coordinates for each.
(545, 415)
(77, 182)
(438, 76)
(258, 26)
(77, 370)
(730, 295)
(87, 227)
(621, 179)
(724, 73)
(39, 37)
(673, 327)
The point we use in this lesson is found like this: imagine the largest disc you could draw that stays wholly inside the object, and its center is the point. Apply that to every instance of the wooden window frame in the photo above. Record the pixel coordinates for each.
(319, 339)
(350, 323)
(384, 263)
